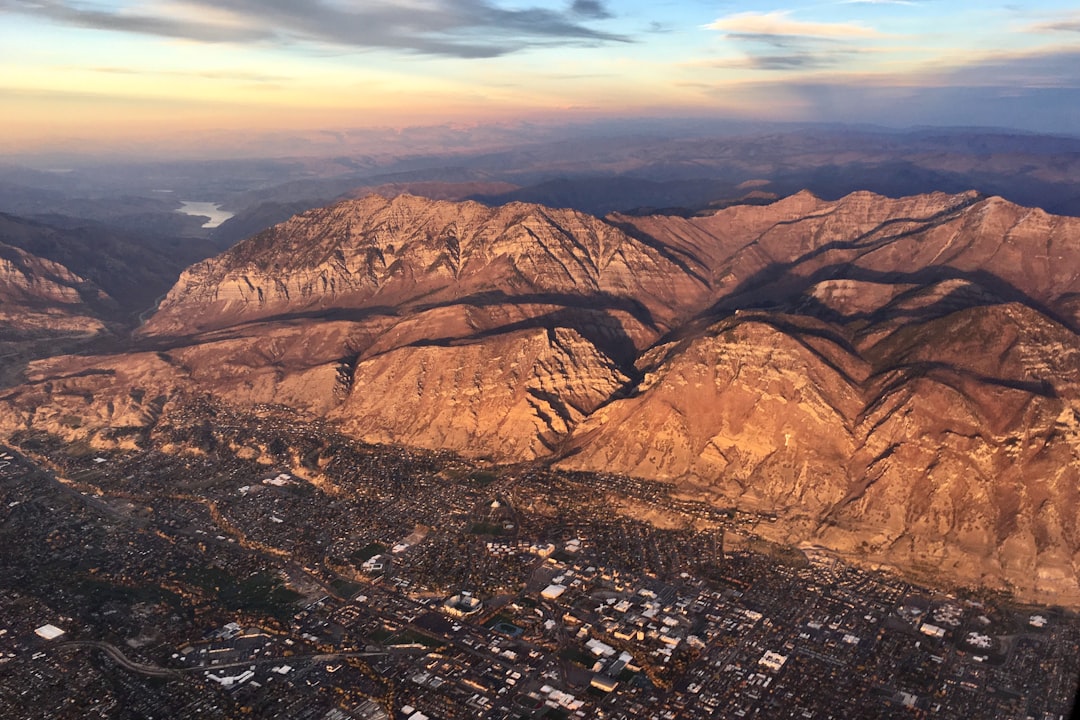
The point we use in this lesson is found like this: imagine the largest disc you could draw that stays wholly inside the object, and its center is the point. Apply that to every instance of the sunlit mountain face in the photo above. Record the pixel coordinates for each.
(855, 366)
(477, 359)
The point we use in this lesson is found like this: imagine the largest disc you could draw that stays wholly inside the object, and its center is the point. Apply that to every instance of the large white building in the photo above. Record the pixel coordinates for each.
(553, 592)
(773, 661)
(49, 632)
(463, 604)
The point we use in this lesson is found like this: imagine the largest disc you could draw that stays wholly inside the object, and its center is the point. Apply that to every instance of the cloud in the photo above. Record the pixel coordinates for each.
(779, 41)
(1038, 91)
(789, 61)
(775, 41)
(68, 13)
(878, 2)
(1043, 70)
(205, 75)
(455, 28)
(780, 23)
(1068, 25)
(592, 9)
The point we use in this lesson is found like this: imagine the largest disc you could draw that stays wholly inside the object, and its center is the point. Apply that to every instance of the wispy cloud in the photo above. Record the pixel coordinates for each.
(1036, 91)
(781, 23)
(1057, 69)
(780, 41)
(796, 60)
(776, 41)
(228, 75)
(1039, 90)
(456, 28)
(1069, 24)
(163, 24)
(878, 2)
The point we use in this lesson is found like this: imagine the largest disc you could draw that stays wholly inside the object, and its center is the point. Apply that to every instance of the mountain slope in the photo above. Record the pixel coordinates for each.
(946, 443)
(397, 318)
(772, 254)
(40, 296)
(409, 253)
(898, 380)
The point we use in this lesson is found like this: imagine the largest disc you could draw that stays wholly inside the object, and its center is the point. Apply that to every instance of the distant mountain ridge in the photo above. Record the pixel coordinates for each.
(898, 380)
(132, 269)
(41, 296)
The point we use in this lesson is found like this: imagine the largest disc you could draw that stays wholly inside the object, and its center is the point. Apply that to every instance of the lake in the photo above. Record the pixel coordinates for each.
(207, 209)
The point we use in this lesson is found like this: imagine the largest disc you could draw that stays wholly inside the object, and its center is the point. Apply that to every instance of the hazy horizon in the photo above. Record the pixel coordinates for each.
(171, 78)
(443, 140)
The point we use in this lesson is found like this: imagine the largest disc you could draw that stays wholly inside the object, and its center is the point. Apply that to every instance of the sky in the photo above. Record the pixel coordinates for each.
(101, 72)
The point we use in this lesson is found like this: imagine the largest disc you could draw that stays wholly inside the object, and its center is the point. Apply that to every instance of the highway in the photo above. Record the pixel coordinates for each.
(120, 659)
(117, 656)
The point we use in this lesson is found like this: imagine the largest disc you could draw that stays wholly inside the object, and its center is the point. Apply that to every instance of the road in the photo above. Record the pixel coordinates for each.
(120, 659)
(88, 500)
(117, 656)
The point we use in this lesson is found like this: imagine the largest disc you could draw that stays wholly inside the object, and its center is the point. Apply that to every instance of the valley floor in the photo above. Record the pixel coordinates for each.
(242, 567)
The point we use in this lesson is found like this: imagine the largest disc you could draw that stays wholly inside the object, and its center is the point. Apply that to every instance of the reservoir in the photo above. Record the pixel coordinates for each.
(207, 209)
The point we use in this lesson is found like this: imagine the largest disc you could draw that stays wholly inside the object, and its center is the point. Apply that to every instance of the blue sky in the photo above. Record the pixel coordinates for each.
(107, 69)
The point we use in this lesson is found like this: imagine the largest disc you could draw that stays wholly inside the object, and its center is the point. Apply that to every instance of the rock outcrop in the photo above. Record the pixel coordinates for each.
(898, 380)
(517, 395)
(410, 254)
(38, 296)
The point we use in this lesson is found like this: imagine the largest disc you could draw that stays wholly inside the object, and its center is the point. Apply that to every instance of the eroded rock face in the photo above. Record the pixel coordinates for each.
(764, 255)
(40, 296)
(514, 322)
(517, 396)
(107, 400)
(735, 408)
(409, 254)
(948, 446)
(898, 380)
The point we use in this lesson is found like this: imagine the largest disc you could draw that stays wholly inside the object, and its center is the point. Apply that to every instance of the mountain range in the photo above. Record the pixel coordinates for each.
(897, 380)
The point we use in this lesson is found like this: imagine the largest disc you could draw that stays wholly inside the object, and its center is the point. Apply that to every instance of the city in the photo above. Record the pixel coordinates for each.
(263, 567)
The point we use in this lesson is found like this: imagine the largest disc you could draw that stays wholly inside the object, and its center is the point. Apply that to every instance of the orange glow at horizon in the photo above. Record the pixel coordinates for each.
(154, 70)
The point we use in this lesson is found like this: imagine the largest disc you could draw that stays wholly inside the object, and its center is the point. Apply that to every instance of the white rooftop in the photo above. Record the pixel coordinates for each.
(49, 632)
(553, 591)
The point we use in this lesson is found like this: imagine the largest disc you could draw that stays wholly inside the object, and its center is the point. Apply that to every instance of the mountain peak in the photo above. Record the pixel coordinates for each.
(894, 378)
(376, 251)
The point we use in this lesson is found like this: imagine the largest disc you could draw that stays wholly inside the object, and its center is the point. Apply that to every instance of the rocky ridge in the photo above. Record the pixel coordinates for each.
(410, 254)
(40, 296)
(898, 380)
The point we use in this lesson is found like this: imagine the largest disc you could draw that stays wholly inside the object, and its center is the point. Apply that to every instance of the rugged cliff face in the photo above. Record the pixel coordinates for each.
(762, 255)
(409, 254)
(40, 296)
(948, 445)
(516, 395)
(894, 379)
(490, 331)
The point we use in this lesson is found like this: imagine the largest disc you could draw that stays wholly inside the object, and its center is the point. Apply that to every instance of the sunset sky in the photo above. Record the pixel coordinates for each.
(100, 70)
